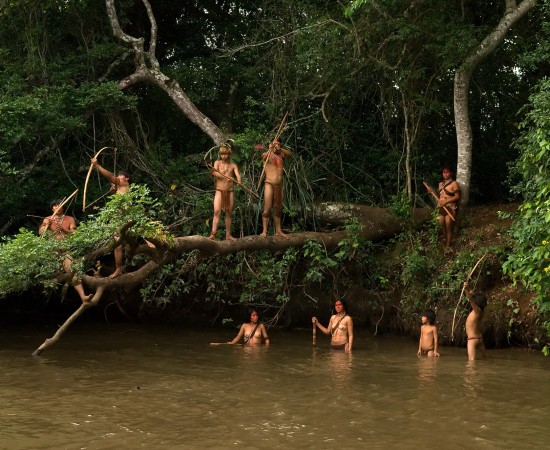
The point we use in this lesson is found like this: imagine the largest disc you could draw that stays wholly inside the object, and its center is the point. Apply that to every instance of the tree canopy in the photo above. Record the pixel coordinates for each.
(368, 87)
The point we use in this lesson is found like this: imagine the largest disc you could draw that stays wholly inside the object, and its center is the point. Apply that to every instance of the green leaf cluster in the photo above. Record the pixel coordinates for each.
(529, 259)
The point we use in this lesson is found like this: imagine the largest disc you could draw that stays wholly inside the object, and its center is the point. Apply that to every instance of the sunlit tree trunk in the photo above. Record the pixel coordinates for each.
(463, 76)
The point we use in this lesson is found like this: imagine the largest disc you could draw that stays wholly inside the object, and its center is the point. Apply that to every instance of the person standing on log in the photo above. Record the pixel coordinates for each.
(449, 195)
(273, 186)
(120, 184)
(225, 173)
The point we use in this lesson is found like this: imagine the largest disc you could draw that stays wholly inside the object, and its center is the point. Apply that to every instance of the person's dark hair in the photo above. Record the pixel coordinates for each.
(124, 174)
(430, 315)
(480, 300)
(344, 304)
(57, 201)
(447, 167)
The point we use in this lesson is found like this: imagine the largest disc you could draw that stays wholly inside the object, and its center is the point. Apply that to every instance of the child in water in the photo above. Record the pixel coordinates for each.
(427, 345)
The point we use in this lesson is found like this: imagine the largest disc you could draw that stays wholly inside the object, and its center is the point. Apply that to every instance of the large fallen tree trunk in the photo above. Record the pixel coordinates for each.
(377, 224)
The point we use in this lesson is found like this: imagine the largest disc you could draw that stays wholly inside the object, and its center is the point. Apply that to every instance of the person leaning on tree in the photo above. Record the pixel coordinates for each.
(449, 195)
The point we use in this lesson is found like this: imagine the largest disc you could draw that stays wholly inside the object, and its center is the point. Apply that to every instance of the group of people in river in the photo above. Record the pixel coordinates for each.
(226, 174)
(428, 344)
(340, 329)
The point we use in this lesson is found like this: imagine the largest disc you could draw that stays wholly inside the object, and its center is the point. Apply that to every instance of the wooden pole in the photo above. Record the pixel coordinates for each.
(315, 335)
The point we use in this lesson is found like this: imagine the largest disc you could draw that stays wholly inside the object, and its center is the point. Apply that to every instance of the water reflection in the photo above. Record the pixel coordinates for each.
(473, 378)
(427, 369)
(340, 364)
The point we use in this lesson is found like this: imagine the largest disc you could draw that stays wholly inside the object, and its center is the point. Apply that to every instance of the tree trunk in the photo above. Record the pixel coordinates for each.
(147, 68)
(463, 77)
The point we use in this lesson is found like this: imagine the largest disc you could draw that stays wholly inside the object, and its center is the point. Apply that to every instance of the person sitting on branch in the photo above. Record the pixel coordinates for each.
(60, 226)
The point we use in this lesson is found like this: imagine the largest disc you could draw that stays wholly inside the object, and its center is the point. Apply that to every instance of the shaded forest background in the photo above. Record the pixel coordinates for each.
(369, 90)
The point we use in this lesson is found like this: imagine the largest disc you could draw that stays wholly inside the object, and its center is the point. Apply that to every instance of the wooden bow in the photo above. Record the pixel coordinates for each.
(277, 135)
(88, 177)
(462, 292)
(431, 191)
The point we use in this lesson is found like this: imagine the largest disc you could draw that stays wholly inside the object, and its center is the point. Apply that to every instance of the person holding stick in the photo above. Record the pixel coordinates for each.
(60, 226)
(253, 332)
(340, 327)
(273, 186)
(449, 195)
(225, 173)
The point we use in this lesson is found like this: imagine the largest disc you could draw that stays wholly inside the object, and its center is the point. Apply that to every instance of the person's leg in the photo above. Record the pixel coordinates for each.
(448, 231)
(472, 343)
(278, 212)
(229, 218)
(217, 212)
(268, 203)
(119, 256)
(79, 288)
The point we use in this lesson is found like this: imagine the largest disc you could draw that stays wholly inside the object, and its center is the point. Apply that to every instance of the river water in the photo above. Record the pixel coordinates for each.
(129, 386)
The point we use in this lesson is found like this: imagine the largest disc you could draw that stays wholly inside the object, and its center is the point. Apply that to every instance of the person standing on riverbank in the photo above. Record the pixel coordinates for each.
(478, 302)
(449, 195)
(427, 345)
(340, 327)
(253, 332)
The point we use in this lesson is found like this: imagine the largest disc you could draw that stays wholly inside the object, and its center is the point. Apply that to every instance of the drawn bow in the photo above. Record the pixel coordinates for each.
(462, 292)
(88, 177)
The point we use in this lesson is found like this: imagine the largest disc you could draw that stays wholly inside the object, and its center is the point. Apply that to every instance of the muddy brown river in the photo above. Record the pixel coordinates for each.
(129, 387)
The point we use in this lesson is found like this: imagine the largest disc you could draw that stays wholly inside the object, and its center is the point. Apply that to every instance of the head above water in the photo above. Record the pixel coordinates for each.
(253, 315)
(429, 314)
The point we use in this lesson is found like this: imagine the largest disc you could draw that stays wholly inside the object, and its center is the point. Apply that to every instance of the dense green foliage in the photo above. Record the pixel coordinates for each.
(28, 260)
(368, 87)
(529, 260)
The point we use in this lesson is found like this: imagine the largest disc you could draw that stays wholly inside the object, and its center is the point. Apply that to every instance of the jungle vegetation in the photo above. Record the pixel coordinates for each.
(379, 96)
